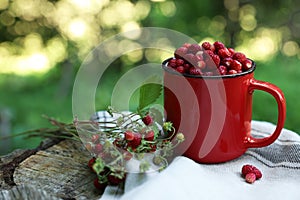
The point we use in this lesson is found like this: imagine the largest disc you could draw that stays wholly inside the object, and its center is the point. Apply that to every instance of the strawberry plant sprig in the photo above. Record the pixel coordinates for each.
(134, 137)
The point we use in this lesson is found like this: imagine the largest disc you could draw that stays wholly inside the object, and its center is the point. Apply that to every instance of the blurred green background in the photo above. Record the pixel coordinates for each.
(43, 43)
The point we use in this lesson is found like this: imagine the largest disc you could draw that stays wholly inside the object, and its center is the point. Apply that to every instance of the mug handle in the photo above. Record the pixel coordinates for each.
(252, 142)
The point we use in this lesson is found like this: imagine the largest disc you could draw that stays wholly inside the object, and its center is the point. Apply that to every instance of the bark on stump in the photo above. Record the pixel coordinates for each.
(57, 169)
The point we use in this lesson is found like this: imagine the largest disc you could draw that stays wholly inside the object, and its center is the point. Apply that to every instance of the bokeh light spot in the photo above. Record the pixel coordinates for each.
(77, 28)
(290, 48)
(168, 8)
(3, 4)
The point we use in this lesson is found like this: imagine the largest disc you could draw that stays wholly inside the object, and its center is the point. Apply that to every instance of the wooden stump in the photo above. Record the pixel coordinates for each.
(57, 169)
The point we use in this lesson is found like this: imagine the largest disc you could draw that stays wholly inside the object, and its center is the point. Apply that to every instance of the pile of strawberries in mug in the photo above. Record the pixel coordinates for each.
(209, 60)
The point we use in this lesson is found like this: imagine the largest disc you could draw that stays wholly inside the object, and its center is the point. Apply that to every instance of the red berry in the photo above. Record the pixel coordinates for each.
(98, 148)
(257, 173)
(250, 177)
(231, 50)
(95, 138)
(232, 71)
(194, 48)
(208, 73)
(222, 70)
(246, 169)
(218, 45)
(236, 65)
(195, 71)
(180, 52)
(153, 148)
(224, 53)
(180, 69)
(216, 59)
(186, 67)
(201, 64)
(227, 62)
(149, 136)
(246, 64)
(127, 155)
(239, 56)
(199, 55)
(129, 135)
(136, 141)
(148, 120)
(179, 62)
(99, 186)
(91, 163)
(208, 54)
(206, 45)
(186, 45)
(191, 58)
(172, 63)
(113, 180)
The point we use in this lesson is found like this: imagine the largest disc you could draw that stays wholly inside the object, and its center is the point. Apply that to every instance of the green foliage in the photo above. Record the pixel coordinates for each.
(27, 98)
(149, 92)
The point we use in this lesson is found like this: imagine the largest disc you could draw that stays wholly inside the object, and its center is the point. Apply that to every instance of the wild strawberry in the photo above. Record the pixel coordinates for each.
(194, 48)
(195, 71)
(180, 52)
(208, 73)
(201, 64)
(153, 148)
(95, 138)
(149, 135)
(250, 177)
(236, 65)
(148, 120)
(257, 173)
(114, 180)
(91, 163)
(172, 63)
(127, 155)
(186, 67)
(179, 62)
(199, 55)
(98, 148)
(227, 62)
(180, 69)
(222, 70)
(191, 58)
(129, 135)
(231, 50)
(99, 186)
(136, 141)
(216, 59)
(206, 45)
(239, 57)
(218, 45)
(224, 53)
(186, 45)
(208, 54)
(246, 64)
(232, 71)
(246, 169)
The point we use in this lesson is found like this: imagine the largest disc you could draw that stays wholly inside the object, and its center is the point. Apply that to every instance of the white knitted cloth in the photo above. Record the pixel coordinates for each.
(186, 179)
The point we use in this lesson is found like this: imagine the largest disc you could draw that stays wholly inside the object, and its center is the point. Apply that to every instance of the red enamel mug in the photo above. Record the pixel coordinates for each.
(215, 112)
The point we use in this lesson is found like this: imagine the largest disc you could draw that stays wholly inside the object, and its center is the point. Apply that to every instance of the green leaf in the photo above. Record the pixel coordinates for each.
(149, 92)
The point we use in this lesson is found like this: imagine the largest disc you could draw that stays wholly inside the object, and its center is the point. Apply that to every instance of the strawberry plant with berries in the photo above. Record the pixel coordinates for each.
(142, 136)
(132, 137)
